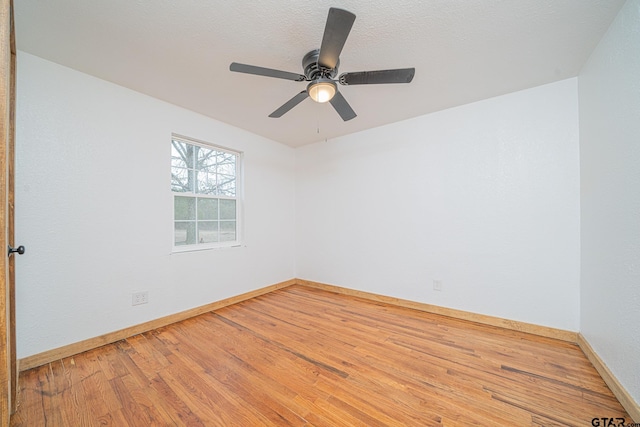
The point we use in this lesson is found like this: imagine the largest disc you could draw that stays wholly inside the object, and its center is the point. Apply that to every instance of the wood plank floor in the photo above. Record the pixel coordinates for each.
(301, 356)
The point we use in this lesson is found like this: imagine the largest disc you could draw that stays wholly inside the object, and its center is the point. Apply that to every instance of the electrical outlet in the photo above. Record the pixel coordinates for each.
(437, 285)
(140, 298)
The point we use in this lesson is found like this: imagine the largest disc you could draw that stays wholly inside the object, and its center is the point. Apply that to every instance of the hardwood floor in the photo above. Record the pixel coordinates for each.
(302, 356)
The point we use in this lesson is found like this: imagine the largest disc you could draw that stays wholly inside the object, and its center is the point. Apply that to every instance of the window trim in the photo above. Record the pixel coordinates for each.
(239, 198)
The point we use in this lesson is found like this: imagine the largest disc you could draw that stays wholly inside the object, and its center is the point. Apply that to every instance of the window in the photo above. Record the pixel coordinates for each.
(206, 187)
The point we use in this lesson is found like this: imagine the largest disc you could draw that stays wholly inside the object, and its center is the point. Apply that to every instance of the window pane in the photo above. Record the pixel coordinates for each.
(207, 231)
(184, 233)
(181, 180)
(206, 183)
(178, 162)
(182, 153)
(227, 209)
(227, 157)
(226, 185)
(227, 231)
(184, 208)
(207, 209)
(228, 167)
(206, 159)
(208, 168)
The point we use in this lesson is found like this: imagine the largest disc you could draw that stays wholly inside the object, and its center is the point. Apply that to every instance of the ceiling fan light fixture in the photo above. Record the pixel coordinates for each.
(322, 90)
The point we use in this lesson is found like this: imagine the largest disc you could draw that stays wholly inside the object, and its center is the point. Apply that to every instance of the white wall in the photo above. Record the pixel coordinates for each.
(484, 197)
(94, 209)
(609, 90)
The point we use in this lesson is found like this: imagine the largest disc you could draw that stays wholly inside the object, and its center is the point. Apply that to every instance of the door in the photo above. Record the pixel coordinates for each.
(8, 364)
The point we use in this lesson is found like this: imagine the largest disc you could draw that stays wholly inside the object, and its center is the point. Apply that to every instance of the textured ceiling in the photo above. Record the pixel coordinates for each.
(180, 51)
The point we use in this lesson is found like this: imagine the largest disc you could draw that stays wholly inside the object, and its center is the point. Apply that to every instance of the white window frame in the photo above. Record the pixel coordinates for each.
(238, 198)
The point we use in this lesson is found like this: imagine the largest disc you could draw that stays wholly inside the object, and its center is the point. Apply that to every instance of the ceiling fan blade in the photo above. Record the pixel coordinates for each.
(267, 72)
(336, 31)
(290, 104)
(342, 107)
(401, 75)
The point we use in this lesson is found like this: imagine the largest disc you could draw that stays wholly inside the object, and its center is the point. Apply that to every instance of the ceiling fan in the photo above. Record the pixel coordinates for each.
(321, 67)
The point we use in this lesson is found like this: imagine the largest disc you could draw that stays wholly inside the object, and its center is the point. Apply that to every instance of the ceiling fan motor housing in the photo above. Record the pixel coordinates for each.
(313, 71)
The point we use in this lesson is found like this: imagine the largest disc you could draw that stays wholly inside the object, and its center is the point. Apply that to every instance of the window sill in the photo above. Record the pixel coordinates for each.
(200, 248)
